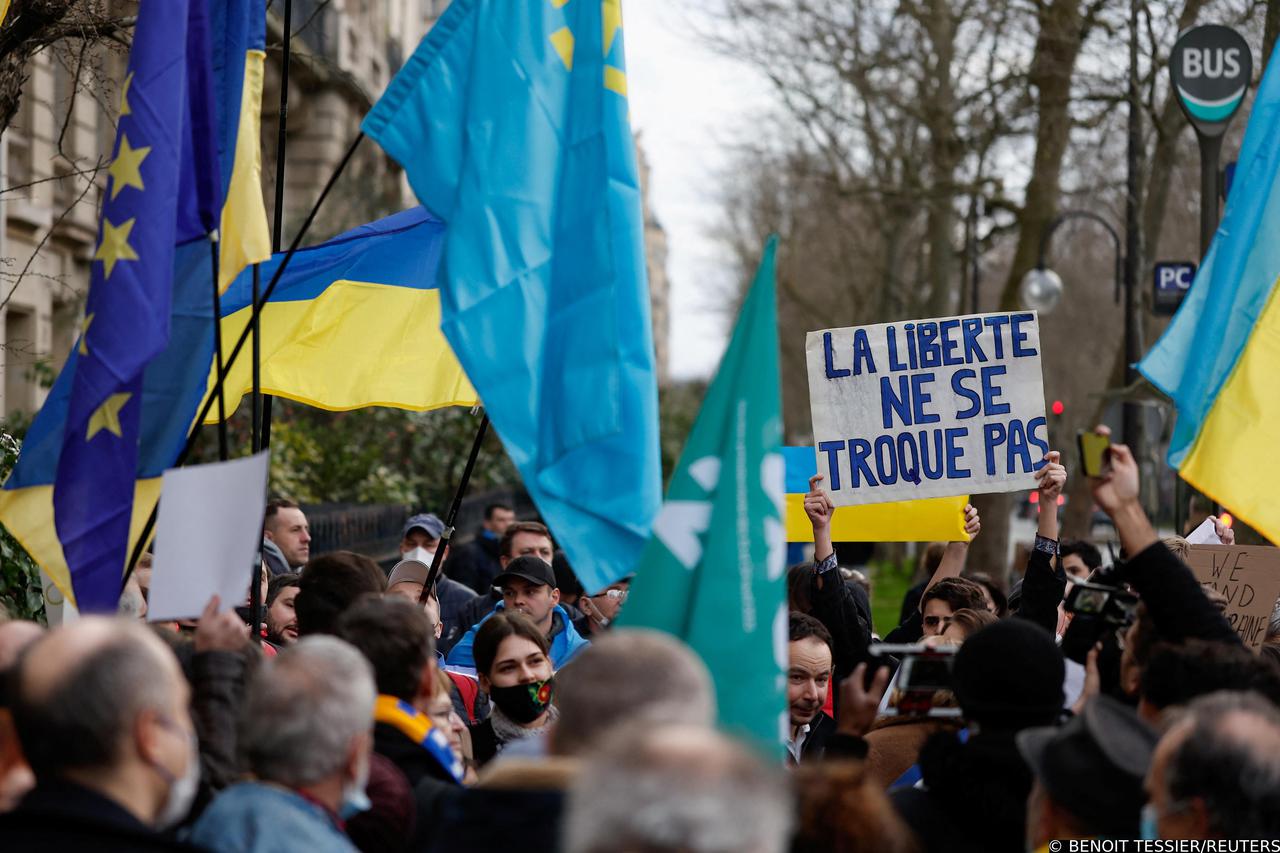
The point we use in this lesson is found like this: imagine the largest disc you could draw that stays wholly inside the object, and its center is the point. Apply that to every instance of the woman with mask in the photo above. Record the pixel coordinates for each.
(514, 667)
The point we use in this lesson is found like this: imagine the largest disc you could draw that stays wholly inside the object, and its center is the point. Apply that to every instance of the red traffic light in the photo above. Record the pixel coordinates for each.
(1058, 408)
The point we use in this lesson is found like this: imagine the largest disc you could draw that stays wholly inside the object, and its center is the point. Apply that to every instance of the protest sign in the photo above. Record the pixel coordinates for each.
(930, 408)
(1248, 576)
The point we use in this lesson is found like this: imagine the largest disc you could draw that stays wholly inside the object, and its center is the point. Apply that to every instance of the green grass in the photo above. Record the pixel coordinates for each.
(889, 583)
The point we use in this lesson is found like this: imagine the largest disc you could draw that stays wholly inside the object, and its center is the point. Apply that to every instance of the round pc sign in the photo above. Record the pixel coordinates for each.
(1211, 68)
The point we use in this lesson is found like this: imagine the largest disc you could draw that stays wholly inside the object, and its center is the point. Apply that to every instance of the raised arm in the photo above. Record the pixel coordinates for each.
(1044, 582)
(833, 602)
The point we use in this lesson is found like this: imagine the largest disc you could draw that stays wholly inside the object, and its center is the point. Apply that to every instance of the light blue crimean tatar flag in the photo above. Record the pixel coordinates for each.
(712, 573)
(510, 120)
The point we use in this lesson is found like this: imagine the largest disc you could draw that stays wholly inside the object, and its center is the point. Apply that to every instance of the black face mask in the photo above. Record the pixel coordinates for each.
(523, 703)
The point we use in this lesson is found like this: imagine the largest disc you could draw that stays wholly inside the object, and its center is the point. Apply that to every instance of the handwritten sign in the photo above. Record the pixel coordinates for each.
(930, 408)
(1248, 576)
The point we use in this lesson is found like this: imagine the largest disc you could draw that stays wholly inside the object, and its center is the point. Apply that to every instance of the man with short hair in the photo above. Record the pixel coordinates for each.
(478, 562)
(395, 636)
(330, 585)
(1088, 774)
(529, 587)
(944, 598)
(418, 545)
(599, 611)
(808, 678)
(421, 531)
(1079, 559)
(101, 708)
(282, 618)
(286, 537)
(678, 789)
(1216, 772)
(310, 770)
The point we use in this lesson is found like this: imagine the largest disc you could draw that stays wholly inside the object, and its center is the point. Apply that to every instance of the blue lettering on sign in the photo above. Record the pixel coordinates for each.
(993, 435)
(930, 352)
(891, 403)
(919, 397)
(895, 364)
(859, 450)
(972, 330)
(990, 391)
(832, 449)
(957, 385)
(862, 360)
(886, 460)
(949, 343)
(1020, 336)
(1034, 426)
(1175, 277)
(996, 323)
(955, 452)
(832, 371)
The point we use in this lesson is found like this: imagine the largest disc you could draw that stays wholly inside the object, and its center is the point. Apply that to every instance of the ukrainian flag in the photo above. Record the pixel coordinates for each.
(928, 520)
(1219, 356)
(353, 322)
(173, 382)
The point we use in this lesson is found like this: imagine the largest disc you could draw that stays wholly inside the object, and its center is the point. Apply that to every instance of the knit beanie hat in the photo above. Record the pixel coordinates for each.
(1008, 676)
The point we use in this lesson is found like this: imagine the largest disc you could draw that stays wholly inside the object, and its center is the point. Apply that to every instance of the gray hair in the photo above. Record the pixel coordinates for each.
(627, 676)
(1230, 760)
(303, 708)
(677, 788)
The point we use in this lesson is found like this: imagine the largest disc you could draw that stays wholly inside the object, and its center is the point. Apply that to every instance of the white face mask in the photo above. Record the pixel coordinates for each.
(182, 790)
(421, 554)
(355, 799)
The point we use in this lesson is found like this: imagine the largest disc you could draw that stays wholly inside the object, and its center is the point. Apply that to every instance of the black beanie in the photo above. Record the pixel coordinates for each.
(1008, 676)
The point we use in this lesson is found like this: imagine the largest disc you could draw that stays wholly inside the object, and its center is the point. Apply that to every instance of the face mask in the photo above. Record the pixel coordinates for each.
(354, 797)
(421, 554)
(523, 703)
(1150, 820)
(182, 790)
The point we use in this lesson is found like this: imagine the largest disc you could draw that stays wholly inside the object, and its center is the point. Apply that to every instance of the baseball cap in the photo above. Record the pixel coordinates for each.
(1093, 766)
(408, 570)
(531, 568)
(427, 521)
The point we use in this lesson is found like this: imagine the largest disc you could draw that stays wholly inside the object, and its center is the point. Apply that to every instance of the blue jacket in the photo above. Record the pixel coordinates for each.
(564, 645)
(255, 818)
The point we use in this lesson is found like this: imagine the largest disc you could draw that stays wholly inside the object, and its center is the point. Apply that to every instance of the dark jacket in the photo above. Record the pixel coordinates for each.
(476, 563)
(456, 602)
(911, 601)
(1042, 587)
(975, 795)
(839, 607)
(388, 825)
(61, 817)
(815, 745)
(489, 819)
(273, 558)
(430, 781)
(1175, 600)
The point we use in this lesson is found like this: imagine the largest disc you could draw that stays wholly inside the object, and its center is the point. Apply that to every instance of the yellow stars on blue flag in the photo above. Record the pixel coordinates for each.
(125, 170)
(84, 334)
(124, 96)
(562, 40)
(107, 416)
(115, 245)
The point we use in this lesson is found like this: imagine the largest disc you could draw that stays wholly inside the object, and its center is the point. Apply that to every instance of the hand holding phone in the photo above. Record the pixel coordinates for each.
(1093, 452)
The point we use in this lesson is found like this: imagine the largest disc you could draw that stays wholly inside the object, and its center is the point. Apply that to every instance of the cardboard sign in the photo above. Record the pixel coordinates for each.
(927, 409)
(1248, 576)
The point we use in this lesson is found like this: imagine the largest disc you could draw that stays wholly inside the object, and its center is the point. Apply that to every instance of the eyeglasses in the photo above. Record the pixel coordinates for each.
(935, 621)
(619, 594)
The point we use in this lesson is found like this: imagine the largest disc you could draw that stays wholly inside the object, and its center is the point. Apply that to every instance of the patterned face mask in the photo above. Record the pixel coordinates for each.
(523, 703)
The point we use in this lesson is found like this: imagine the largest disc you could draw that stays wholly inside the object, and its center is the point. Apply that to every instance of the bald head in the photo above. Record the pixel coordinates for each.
(629, 676)
(14, 637)
(79, 688)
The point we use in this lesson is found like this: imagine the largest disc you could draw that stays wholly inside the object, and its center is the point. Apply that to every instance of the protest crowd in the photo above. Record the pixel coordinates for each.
(505, 711)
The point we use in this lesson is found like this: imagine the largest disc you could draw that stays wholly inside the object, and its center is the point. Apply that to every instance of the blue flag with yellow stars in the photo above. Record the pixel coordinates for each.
(511, 122)
(164, 188)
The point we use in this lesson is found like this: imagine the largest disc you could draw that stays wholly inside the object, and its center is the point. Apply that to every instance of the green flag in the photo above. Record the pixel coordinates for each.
(711, 573)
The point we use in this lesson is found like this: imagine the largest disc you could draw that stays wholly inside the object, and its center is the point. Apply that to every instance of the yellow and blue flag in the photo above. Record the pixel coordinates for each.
(927, 520)
(510, 120)
(1217, 360)
(173, 382)
(353, 322)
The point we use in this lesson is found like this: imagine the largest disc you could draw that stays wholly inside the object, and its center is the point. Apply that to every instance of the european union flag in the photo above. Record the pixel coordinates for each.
(164, 189)
(511, 121)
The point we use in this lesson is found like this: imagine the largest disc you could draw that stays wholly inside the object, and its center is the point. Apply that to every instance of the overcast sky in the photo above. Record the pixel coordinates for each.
(690, 105)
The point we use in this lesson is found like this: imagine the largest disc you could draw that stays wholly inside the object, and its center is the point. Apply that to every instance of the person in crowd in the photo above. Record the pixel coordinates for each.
(16, 778)
(1216, 772)
(282, 619)
(1088, 774)
(677, 789)
(396, 637)
(926, 566)
(513, 663)
(599, 610)
(1079, 559)
(286, 537)
(444, 716)
(101, 708)
(940, 602)
(309, 770)
(1178, 673)
(997, 603)
(528, 587)
(521, 539)
(964, 623)
(329, 585)
(418, 545)
(421, 531)
(840, 807)
(132, 603)
(809, 670)
(1007, 677)
(478, 562)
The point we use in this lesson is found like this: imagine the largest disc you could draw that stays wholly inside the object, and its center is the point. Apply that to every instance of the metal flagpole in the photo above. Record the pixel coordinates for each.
(223, 452)
(452, 517)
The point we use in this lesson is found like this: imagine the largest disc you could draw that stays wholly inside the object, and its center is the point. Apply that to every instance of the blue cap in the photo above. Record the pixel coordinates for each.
(428, 522)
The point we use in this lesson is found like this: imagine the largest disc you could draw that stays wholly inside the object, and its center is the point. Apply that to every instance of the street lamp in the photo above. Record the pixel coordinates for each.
(1041, 288)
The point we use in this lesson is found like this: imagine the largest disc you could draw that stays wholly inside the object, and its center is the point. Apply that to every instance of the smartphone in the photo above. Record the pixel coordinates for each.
(1093, 452)
(921, 687)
